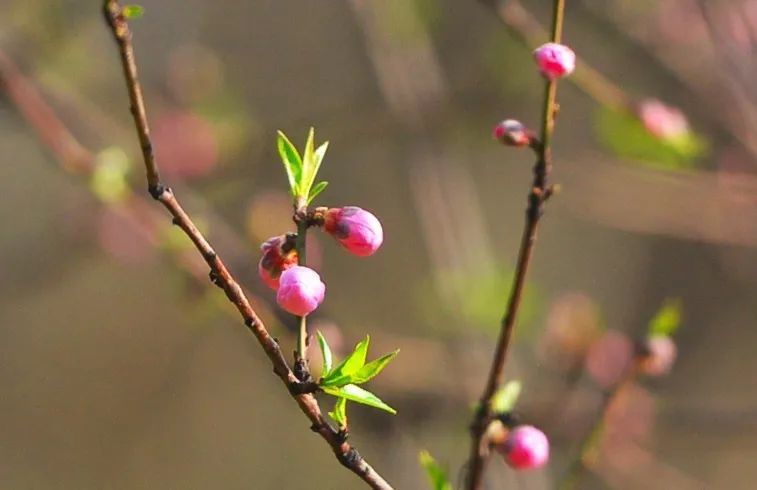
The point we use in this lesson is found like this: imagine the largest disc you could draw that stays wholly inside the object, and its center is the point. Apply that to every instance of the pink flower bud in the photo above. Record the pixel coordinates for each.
(555, 60)
(356, 229)
(278, 255)
(661, 353)
(300, 290)
(513, 133)
(526, 448)
(661, 120)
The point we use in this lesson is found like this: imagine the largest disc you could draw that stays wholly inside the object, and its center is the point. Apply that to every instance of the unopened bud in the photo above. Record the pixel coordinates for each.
(301, 290)
(658, 355)
(662, 120)
(525, 448)
(356, 229)
(278, 255)
(555, 60)
(513, 133)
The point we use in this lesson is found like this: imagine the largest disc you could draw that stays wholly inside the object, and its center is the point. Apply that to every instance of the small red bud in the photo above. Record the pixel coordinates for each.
(513, 133)
(277, 257)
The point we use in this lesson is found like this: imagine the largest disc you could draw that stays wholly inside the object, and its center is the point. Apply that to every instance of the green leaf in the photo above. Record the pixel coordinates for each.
(318, 159)
(308, 164)
(350, 364)
(359, 395)
(292, 161)
(317, 190)
(668, 318)
(436, 474)
(325, 353)
(506, 397)
(311, 162)
(624, 134)
(366, 372)
(340, 412)
(132, 12)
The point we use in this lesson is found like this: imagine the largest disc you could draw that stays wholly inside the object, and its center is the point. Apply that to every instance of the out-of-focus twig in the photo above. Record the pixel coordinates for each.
(593, 435)
(537, 197)
(219, 274)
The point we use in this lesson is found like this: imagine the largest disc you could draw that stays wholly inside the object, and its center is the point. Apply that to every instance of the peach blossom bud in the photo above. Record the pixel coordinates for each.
(278, 255)
(555, 60)
(300, 290)
(662, 120)
(660, 355)
(526, 448)
(356, 229)
(513, 133)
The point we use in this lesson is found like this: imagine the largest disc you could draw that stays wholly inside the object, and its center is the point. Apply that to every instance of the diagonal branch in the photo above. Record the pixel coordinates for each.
(219, 274)
(537, 197)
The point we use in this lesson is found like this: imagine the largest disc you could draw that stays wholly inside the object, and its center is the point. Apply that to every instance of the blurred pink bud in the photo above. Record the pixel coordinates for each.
(662, 120)
(661, 353)
(300, 290)
(185, 145)
(277, 257)
(526, 448)
(609, 359)
(356, 229)
(555, 60)
(513, 133)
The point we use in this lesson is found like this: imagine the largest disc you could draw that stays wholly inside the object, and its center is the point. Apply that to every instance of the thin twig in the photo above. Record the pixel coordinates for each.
(219, 274)
(301, 369)
(591, 438)
(536, 198)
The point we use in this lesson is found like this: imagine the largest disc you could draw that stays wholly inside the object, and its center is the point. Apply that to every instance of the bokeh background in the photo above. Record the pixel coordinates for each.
(122, 367)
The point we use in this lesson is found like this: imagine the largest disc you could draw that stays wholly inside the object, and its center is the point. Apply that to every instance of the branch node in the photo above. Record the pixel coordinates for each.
(215, 278)
(156, 190)
(351, 458)
(302, 388)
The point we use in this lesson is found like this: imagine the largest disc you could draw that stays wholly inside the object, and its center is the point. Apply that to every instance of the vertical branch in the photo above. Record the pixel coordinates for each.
(540, 192)
(301, 369)
(220, 275)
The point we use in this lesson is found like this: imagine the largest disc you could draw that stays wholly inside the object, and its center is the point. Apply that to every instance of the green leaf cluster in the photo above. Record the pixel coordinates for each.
(302, 169)
(667, 319)
(343, 379)
(436, 475)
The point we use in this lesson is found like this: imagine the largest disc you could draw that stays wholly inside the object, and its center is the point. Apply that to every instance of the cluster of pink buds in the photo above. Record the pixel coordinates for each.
(300, 289)
(523, 447)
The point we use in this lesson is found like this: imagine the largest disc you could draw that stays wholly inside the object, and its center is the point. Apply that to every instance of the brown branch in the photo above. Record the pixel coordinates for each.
(537, 197)
(219, 274)
(591, 438)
